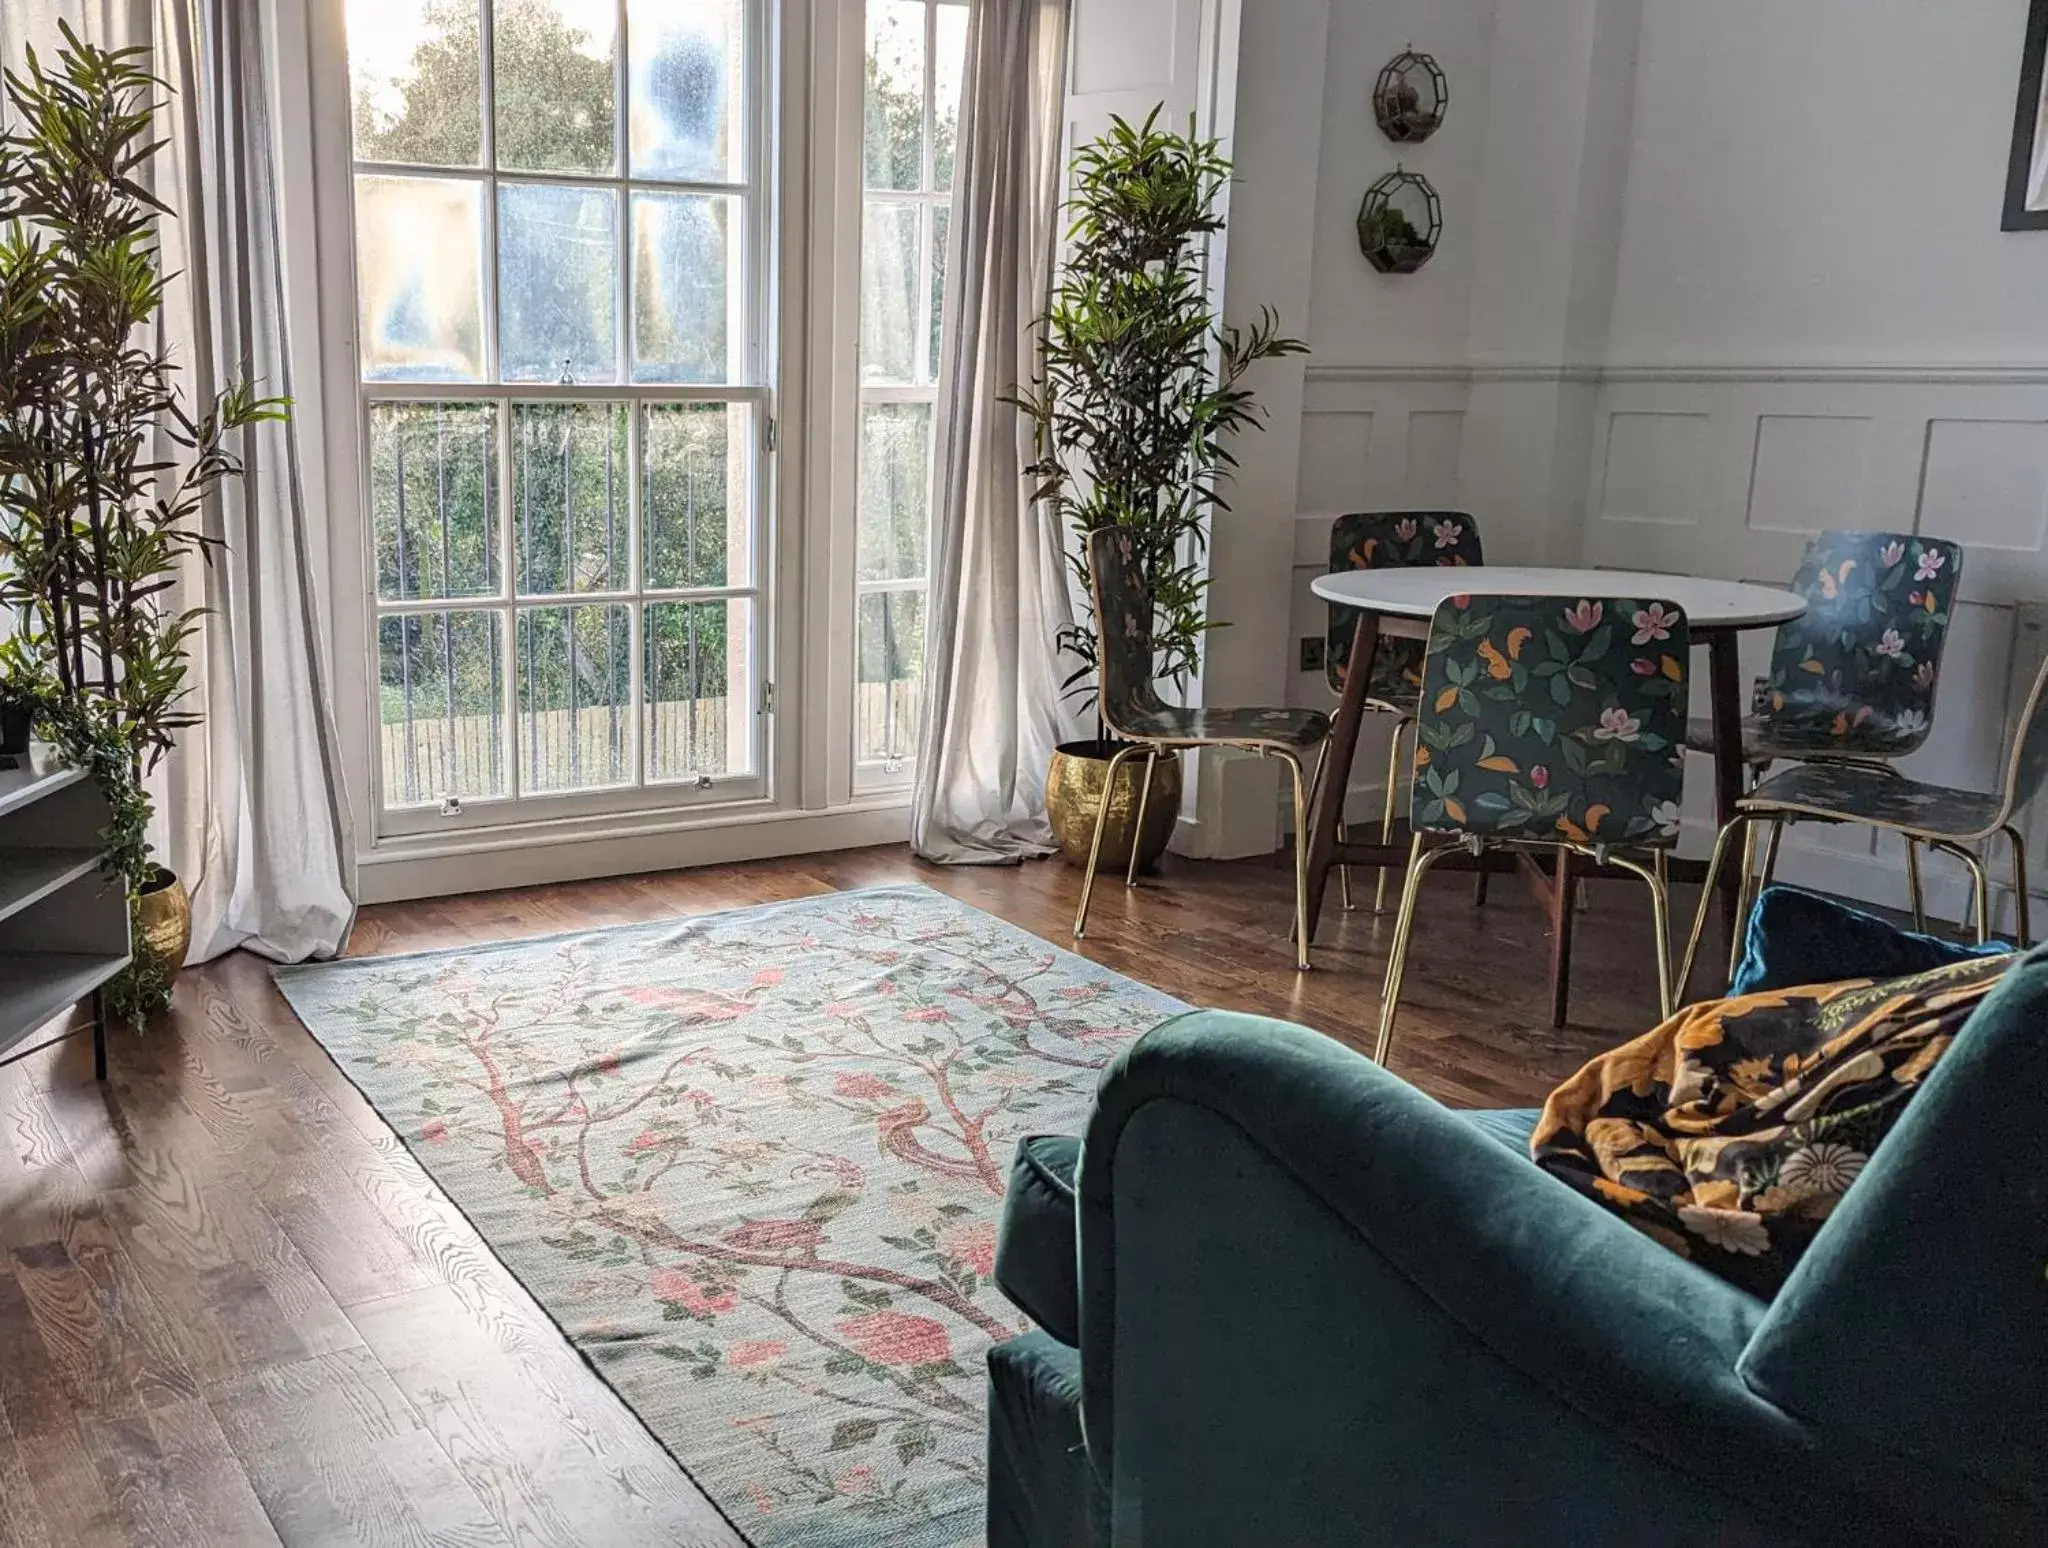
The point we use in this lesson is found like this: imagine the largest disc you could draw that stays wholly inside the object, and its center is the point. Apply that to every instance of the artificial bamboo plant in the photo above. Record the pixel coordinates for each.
(1140, 386)
(103, 469)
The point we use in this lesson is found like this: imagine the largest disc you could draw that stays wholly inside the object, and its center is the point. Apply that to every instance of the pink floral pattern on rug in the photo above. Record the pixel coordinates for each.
(752, 1164)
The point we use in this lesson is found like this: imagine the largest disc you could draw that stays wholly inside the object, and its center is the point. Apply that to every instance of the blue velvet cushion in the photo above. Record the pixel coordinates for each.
(1797, 937)
(1036, 1265)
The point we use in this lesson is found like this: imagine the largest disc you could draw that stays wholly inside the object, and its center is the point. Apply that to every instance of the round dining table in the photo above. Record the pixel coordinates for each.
(1401, 602)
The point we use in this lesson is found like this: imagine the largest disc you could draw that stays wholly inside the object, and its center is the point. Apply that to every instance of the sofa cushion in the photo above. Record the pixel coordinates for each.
(1041, 1490)
(1797, 937)
(1512, 1126)
(1035, 1249)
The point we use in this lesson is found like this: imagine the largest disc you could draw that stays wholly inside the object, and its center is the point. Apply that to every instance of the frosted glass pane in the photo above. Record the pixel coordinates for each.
(688, 68)
(419, 268)
(554, 63)
(890, 334)
(895, 489)
(440, 677)
(695, 499)
(700, 689)
(575, 695)
(416, 81)
(558, 283)
(889, 673)
(892, 148)
(685, 247)
(949, 59)
(569, 483)
(434, 499)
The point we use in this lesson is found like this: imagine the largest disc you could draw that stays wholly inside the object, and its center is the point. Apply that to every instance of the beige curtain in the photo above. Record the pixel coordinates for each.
(992, 707)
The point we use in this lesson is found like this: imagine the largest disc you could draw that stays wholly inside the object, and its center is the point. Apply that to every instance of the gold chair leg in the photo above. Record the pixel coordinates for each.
(1660, 918)
(1379, 891)
(1707, 896)
(1344, 871)
(1095, 845)
(1770, 870)
(1138, 829)
(1742, 880)
(1301, 962)
(1419, 862)
(2021, 909)
(1980, 892)
(1913, 885)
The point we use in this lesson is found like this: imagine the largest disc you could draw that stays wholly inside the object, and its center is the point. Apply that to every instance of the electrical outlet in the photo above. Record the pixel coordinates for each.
(1312, 652)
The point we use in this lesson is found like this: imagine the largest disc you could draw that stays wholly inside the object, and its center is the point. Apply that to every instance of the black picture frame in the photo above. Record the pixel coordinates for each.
(2030, 127)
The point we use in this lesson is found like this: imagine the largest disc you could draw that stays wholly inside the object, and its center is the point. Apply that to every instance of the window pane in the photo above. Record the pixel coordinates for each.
(419, 265)
(684, 327)
(890, 669)
(889, 331)
(893, 144)
(949, 59)
(416, 81)
(558, 283)
(569, 497)
(575, 692)
(688, 89)
(434, 499)
(940, 215)
(553, 63)
(695, 505)
(440, 678)
(895, 489)
(699, 683)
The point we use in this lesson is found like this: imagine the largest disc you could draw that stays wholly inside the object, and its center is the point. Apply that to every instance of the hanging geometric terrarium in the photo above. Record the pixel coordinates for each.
(1399, 222)
(1409, 98)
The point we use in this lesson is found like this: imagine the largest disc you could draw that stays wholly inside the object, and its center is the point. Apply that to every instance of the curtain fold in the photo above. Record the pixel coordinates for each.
(992, 706)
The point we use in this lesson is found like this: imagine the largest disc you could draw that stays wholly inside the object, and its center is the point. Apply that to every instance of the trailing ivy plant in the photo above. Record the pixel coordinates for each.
(103, 469)
(1140, 387)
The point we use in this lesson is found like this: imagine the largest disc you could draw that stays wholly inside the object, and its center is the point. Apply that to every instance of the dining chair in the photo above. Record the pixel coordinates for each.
(1390, 540)
(1943, 817)
(1134, 713)
(1852, 678)
(1548, 724)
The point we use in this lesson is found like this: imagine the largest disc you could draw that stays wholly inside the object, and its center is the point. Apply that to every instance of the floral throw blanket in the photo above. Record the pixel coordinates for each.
(1731, 1132)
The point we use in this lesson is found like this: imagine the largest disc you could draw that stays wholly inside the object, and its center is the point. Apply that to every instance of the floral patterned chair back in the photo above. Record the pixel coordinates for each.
(1123, 629)
(1553, 720)
(1392, 540)
(1856, 672)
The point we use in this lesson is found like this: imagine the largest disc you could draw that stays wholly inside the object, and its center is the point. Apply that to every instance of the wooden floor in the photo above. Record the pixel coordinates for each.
(234, 1310)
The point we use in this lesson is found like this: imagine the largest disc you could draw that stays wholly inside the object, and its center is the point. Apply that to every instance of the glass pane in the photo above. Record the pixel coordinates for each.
(420, 268)
(949, 60)
(893, 144)
(575, 691)
(553, 64)
(889, 323)
(558, 283)
(687, 326)
(434, 499)
(890, 672)
(700, 693)
(440, 681)
(940, 215)
(695, 501)
(569, 497)
(688, 66)
(895, 489)
(416, 81)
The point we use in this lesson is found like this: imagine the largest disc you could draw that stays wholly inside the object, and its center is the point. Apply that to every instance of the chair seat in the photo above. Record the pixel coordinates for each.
(1277, 727)
(1880, 797)
(1404, 705)
(1766, 741)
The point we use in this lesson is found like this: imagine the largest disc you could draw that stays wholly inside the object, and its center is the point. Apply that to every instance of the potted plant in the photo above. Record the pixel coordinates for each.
(1139, 390)
(103, 470)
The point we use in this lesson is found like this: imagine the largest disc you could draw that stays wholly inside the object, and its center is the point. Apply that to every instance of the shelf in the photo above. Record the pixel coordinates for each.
(36, 988)
(30, 875)
(18, 787)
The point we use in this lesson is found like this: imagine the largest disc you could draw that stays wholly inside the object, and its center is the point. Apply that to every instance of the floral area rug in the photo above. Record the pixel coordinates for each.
(752, 1164)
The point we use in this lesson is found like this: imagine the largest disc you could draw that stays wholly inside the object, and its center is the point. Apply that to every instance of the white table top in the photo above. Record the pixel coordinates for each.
(1415, 592)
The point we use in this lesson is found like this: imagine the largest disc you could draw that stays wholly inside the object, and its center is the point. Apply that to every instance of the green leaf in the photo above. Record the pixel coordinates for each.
(849, 1433)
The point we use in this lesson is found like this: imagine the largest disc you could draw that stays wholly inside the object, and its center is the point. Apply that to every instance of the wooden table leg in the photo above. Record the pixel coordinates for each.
(1724, 684)
(1561, 914)
(1344, 731)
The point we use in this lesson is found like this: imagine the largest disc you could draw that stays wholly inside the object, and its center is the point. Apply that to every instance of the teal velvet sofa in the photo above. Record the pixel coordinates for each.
(1312, 1306)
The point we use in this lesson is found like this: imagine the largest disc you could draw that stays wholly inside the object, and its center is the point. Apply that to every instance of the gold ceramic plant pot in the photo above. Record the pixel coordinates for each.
(163, 923)
(1073, 793)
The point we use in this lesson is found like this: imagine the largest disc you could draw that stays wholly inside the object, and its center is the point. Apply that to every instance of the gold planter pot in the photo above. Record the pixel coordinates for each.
(1073, 793)
(163, 923)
